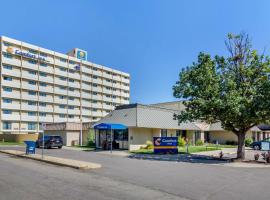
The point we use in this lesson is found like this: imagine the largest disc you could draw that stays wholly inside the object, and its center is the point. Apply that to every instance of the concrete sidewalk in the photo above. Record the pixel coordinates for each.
(54, 160)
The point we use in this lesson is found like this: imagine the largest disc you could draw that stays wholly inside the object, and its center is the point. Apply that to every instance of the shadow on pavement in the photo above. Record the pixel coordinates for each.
(189, 158)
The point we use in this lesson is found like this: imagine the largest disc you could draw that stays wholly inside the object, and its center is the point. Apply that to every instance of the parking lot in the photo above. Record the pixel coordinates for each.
(186, 180)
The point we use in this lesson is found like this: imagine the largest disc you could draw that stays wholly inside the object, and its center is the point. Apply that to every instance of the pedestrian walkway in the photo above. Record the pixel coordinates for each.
(54, 160)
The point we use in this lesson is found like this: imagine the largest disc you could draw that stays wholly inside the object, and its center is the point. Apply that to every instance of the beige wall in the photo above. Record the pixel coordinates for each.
(139, 136)
(223, 136)
(18, 137)
(69, 137)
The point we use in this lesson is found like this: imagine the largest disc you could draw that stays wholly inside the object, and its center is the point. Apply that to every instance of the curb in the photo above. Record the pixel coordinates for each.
(94, 165)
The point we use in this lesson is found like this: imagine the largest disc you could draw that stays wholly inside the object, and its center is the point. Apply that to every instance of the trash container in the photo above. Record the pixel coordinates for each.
(30, 147)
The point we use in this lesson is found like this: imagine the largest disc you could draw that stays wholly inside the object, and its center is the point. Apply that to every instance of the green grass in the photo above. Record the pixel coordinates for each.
(191, 149)
(11, 143)
(195, 149)
(222, 145)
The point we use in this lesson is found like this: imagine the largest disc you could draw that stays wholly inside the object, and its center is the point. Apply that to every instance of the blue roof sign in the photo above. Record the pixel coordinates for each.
(106, 126)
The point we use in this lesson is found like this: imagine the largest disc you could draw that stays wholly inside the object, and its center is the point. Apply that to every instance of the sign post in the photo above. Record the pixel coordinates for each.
(43, 143)
(166, 145)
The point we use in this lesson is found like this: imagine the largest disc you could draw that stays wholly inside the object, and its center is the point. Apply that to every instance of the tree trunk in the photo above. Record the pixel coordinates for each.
(241, 146)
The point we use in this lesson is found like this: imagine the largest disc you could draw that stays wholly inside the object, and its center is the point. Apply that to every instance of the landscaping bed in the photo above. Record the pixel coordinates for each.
(191, 149)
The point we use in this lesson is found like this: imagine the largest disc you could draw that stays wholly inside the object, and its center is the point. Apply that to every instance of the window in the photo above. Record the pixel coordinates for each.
(43, 84)
(71, 107)
(63, 60)
(32, 51)
(7, 125)
(7, 67)
(7, 112)
(108, 80)
(163, 132)
(42, 74)
(71, 98)
(31, 126)
(95, 69)
(7, 55)
(7, 89)
(7, 78)
(62, 115)
(62, 78)
(32, 93)
(43, 54)
(31, 113)
(42, 94)
(71, 71)
(94, 109)
(32, 61)
(62, 97)
(32, 82)
(62, 106)
(71, 80)
(43, 64)
(6, 44)
(94, 101)
(70, 116)
(108, 88)
(178, 133)
(7, 100)
(32, 72)
(63, 69)
(94, 85)
(42, 104)
(108, 96)
(42, 114)
(32, 103)
(114, 97)
(71, 62)
(95, 77)
(62, 88)
(94, 93)
(71, 89)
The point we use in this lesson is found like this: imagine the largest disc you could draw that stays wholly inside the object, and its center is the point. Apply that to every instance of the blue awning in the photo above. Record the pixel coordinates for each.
(105, 126)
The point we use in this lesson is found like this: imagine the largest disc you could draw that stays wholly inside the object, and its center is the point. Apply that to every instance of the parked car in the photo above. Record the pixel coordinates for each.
(50, 141)
(258, 145)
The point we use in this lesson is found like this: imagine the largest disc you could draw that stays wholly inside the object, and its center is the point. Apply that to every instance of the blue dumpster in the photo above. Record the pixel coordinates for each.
(30, 147)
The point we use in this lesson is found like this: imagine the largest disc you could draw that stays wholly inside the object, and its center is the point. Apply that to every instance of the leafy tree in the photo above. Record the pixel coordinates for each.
(233, 90)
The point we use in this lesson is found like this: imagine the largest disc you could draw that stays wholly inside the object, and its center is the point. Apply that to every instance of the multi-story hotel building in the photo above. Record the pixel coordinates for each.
(43, 86)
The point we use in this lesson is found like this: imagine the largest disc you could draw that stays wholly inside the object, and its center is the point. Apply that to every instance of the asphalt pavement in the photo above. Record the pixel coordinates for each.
(127, 178)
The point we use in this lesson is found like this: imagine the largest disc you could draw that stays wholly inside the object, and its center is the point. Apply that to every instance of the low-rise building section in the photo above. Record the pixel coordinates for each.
(147, 121)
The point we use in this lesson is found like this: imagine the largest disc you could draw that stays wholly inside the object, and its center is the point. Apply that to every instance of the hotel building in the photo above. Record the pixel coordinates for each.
(43, 86)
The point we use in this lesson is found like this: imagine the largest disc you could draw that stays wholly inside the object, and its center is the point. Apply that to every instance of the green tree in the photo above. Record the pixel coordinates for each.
(233, 90)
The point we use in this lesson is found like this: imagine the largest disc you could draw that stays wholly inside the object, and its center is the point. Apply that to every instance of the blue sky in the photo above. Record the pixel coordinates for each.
(150, 39)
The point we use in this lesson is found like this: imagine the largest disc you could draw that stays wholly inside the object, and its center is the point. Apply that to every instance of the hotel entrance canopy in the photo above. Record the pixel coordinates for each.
(106, 126)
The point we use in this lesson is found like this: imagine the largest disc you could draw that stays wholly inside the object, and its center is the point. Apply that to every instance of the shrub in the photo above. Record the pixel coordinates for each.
(149, 145)
(91, 143)
(221, 154)
(199, 143)
(181, 142)
(256, 156)
(266, 156)
(248, 142)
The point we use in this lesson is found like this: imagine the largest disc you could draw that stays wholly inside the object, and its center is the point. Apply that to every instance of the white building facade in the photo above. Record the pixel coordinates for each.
(43, 86)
